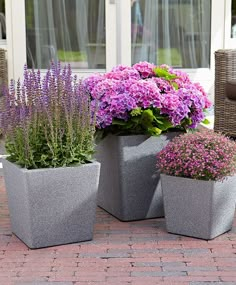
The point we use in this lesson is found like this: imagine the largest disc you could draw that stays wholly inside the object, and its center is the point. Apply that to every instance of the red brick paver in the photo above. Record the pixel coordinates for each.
(127, 253)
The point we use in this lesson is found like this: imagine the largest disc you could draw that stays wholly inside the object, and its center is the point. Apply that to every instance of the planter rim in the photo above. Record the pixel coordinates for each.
(128, 135)
(93, 162)
(147, 135)
(193, 179)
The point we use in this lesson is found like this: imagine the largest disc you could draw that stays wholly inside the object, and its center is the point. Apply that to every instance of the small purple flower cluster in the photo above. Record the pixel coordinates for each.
(204, 155)
(125, 88)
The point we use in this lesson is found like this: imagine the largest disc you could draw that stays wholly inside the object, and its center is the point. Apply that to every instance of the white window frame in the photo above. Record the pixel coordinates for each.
(16, 39)
(16, 46)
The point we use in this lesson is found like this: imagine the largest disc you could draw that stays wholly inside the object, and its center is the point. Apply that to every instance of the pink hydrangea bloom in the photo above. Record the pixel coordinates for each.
(125, 88)
(92, 81)
(145, 69)
(163, 85)
(146, 94)
(121, 67)
(124, 74)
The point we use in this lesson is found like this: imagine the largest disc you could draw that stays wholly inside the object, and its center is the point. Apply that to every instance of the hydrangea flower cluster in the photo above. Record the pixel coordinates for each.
(204, 155)
(122, 95)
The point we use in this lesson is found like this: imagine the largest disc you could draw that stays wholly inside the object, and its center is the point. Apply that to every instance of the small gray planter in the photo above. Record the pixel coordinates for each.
(52, 206)
(197, 208)
(129, 187)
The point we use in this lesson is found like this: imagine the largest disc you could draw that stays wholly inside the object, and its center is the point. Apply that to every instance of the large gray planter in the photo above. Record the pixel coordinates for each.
(52, 206)
(129, 187)
(197, 208)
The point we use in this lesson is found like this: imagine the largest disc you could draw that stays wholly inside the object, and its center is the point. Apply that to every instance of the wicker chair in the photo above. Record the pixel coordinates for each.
(3, 69)
(225, 108)
(3, 82)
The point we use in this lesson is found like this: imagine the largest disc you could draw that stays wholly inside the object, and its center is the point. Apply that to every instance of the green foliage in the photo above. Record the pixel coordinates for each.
(29, 15)
(164, 73)
(148, 121)
(136, 112)
(74, 147)
(69, 56)
(206, 122)
(169, 56)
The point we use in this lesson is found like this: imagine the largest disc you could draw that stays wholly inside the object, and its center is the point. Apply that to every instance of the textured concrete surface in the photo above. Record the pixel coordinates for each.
(197, 208)
(52, 206)
(2, 153)
(129, 185)
(2, 147)
(121, 253)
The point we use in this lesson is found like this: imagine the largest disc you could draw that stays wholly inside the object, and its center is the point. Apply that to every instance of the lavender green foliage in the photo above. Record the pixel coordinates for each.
(47, 121)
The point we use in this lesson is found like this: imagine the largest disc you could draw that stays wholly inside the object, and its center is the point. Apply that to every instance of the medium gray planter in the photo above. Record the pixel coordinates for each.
(52, 206)
(129, 187)
(197, 208)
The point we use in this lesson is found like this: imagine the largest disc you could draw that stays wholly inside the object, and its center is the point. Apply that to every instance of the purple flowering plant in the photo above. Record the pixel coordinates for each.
(47, 120)
(204, 155)
(146, 99)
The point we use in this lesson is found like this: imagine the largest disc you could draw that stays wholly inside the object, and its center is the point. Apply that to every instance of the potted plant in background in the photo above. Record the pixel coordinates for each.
(139, 109)
(198, 183)
(50, 179)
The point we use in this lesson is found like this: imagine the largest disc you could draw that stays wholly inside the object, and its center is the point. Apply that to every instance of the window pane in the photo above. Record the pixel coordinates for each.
(67, 30)
(233, 19)
(174, 32)
(2, 20)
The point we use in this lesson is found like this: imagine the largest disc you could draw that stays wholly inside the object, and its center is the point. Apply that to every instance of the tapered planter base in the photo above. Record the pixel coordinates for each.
(52, 206)
(197, 208)
(129, 187)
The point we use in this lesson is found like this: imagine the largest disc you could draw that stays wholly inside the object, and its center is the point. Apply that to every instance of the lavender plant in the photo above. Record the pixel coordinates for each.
(204, 155)
(47, 121)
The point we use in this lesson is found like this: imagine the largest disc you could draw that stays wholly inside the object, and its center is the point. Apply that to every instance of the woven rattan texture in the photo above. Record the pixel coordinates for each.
(3, 69)
(225, 109)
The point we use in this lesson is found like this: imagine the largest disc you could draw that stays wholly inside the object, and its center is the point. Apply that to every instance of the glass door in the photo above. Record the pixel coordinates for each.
(230, 24)
(177, 33)
(66, 31)
(78, 32)
(2, 24)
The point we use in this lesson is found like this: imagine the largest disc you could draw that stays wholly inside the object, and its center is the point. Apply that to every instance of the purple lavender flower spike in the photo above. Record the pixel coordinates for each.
(48, 121)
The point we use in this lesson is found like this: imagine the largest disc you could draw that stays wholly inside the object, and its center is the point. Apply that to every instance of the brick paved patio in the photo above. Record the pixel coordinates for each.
(135, 253)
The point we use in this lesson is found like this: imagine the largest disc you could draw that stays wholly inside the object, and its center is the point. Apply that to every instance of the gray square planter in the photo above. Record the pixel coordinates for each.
(52, 206)
(197, 208)
(129, 187)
